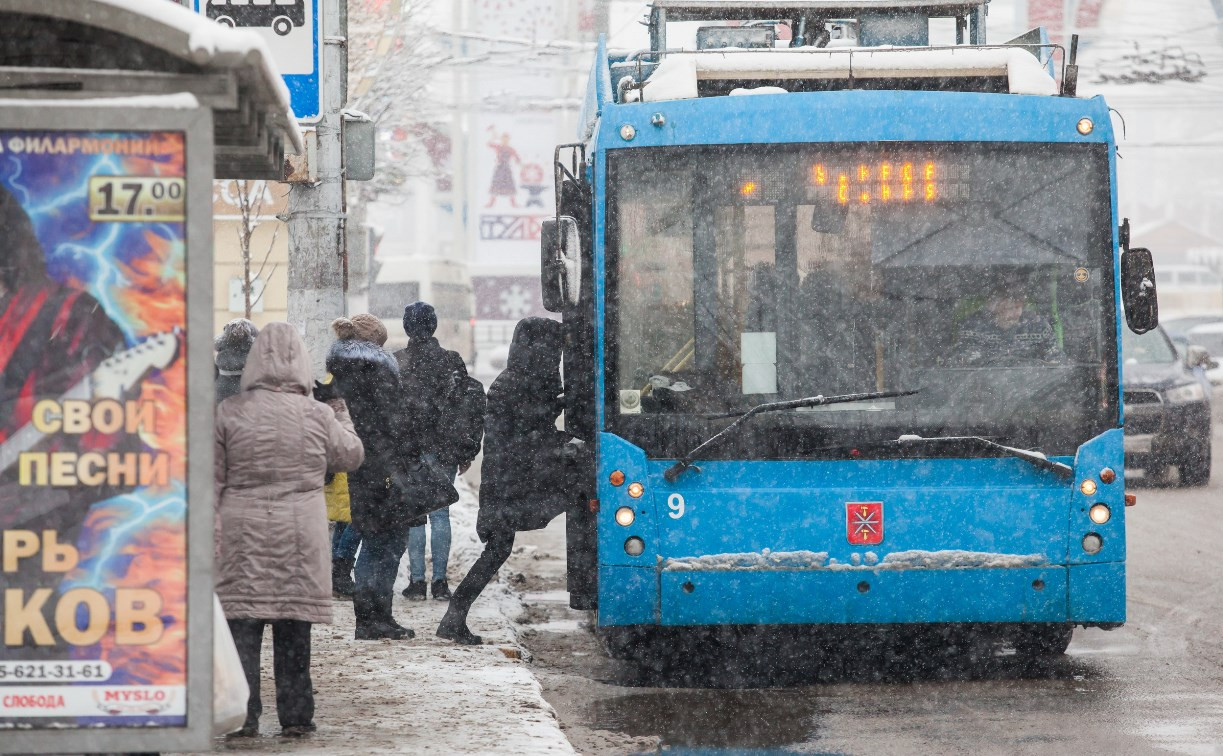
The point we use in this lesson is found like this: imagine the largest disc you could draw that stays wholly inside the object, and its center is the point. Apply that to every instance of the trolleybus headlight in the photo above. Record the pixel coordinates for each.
(627, 132)
(1088, 487)
(625, 516)
(1085, 126)
(1099, 514)
(636, 490)
(1092, 543)
(634, 546)
(616, 478)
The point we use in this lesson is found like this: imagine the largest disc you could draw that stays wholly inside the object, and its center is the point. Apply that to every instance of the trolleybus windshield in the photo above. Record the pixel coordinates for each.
(981, 274)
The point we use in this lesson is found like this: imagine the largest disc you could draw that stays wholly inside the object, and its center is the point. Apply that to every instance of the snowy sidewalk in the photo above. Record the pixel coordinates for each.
(425, 694)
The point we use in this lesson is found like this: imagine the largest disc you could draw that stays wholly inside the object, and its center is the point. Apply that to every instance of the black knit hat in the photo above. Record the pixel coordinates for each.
(419, 320)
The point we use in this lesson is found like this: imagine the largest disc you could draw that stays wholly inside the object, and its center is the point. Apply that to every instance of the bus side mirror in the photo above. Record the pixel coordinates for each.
(1138, 290)
(560, 263)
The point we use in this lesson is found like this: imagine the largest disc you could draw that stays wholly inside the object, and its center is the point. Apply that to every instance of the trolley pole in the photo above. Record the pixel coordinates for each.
(318, 263)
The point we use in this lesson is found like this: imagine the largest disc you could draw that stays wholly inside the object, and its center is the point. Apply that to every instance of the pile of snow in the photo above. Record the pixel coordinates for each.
(958, 560)
(749, 561)
(677, 75)
(768, 561)
(740, 91)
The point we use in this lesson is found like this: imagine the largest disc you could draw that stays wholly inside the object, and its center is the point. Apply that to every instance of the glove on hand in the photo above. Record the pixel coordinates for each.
(574, 450)
(325, 392)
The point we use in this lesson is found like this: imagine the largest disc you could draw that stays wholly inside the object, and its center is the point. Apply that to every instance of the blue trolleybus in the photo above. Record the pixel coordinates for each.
(843, 311)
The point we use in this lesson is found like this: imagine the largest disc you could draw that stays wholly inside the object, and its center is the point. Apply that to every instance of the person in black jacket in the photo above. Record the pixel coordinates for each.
(367, 378)
(427, 373)
(530, 467)
(232, 347)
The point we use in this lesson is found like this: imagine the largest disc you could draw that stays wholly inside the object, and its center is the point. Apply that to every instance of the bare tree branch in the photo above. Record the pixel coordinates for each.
(250, 197)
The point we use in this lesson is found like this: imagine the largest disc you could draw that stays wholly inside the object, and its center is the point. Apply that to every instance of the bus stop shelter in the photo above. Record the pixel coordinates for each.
(115, 118)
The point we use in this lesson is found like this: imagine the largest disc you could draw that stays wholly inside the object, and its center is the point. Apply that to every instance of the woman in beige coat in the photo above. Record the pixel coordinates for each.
(274, 445)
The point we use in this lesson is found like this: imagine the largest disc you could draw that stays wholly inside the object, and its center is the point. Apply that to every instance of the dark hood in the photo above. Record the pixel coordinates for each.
(536, 349)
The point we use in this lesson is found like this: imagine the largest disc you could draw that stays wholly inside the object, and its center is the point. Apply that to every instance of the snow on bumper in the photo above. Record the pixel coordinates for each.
(766, 560)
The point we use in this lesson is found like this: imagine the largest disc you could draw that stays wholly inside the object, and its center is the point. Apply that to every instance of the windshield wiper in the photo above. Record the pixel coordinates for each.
(686, 461)
(1036, 458)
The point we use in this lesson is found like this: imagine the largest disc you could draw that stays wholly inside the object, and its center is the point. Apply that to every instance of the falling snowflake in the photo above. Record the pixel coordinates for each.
(515, 303)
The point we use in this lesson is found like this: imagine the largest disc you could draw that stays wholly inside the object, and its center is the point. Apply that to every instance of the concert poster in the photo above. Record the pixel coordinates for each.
(93, 436)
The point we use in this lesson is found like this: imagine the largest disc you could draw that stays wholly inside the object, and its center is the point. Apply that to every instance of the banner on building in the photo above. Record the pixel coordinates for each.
(512, 190)
(93, 429)
(508, 297)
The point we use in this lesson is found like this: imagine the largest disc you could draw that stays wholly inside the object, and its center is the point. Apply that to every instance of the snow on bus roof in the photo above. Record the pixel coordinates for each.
(677, 75)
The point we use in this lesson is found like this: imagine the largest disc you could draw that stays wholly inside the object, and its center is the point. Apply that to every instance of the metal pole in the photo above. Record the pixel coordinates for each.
(602, 10)
(317, 210)
(461, 250)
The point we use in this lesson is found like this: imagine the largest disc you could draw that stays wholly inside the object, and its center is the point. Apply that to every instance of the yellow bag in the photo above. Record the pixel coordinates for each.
(336, 493)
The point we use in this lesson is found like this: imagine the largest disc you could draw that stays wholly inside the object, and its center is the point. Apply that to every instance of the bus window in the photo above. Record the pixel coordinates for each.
(655, 276)
(746, 318)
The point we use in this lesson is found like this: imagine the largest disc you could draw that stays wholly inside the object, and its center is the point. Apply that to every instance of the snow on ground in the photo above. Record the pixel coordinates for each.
(424, 695)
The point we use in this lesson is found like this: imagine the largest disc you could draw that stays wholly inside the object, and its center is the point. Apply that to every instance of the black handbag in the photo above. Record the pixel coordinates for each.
(421, 487)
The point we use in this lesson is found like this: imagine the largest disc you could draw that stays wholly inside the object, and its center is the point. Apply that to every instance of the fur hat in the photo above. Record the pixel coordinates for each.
(419, 320)
(237, 335)
(363, 327)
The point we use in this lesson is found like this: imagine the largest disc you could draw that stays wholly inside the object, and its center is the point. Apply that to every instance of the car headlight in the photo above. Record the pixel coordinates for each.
(1190, 392)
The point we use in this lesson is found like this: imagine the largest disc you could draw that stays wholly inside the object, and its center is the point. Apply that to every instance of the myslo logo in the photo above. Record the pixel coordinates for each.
(133, 701)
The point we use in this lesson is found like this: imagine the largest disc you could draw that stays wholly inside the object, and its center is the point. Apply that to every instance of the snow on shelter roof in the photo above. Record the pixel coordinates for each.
(677, 75)
(125, 48)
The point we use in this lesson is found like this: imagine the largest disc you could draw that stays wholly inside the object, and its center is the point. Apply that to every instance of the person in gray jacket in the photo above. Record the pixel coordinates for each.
(274, 444)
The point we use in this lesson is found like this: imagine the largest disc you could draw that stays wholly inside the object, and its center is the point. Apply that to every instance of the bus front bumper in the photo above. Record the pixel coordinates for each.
(1088, 594)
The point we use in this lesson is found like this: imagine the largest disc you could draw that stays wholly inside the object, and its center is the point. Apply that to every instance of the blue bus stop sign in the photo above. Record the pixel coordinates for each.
(291, 30)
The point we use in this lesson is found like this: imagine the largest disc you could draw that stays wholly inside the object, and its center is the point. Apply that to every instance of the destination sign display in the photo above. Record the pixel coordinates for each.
(859, 179)
(893, 180)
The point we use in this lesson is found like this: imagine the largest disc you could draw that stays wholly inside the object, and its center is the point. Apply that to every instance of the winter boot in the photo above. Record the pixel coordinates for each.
(454, 627)
(415, 591)
(298, 731)
(363, 610)
(440, 590)
(342, 586)
(384, 615)
(370, 623)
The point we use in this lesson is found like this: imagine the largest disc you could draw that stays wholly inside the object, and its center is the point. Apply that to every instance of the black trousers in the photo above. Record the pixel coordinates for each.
(497, 549)
(290, 661)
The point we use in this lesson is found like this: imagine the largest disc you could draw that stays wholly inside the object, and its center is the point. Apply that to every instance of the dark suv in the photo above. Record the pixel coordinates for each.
(1167, 406)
